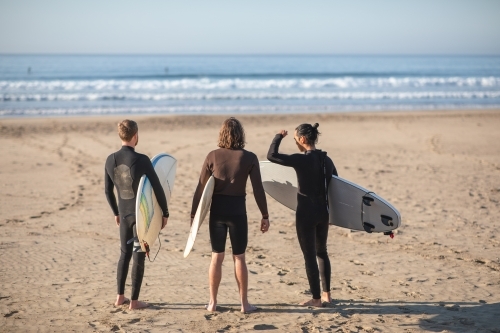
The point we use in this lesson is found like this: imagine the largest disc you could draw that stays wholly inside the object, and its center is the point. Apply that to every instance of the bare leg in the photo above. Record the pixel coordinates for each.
(137, 305)
(326, 297)
(120, 300)
(214, 277)
(313, 302)
(241, 274)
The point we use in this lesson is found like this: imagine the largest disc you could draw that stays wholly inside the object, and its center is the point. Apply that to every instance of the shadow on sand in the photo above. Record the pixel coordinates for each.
(439, 316)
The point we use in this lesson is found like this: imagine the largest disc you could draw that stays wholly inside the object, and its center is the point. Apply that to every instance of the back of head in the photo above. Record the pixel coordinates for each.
(231, 134)
(127, 129)
(309, 132)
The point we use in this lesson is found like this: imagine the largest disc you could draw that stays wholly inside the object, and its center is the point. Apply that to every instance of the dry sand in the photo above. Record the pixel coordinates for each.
(441, 273)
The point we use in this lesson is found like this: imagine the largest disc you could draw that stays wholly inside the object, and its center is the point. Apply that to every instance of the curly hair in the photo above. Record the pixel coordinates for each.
(231, 134)
(127, 129)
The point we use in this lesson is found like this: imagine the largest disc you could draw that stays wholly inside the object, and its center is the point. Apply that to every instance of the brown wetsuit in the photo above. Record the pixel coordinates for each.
(230, 168)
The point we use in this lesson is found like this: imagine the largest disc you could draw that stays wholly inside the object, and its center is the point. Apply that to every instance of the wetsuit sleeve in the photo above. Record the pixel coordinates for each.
(157, 188)
(204, 176)
(283, 159)
(110, 194)
(258, 189)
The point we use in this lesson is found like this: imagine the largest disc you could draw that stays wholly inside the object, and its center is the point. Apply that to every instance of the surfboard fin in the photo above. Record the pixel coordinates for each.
(146, 245)
(387, 220)
(368, 227)
(368, 200)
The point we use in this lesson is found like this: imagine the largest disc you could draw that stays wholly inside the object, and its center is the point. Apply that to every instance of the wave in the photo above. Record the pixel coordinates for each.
(252, 96)
(245, 84)
(245, 109)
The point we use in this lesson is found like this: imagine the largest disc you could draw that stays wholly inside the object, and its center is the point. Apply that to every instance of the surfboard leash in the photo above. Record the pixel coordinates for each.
(147, 249)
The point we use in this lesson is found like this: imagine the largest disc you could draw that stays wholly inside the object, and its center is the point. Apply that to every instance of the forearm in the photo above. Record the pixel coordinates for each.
(274, 156)
(110, 194)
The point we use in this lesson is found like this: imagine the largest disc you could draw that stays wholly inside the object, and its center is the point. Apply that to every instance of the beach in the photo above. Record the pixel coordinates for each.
(440, 169)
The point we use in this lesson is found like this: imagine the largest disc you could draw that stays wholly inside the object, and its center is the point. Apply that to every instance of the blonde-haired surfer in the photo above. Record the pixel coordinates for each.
(124, 170)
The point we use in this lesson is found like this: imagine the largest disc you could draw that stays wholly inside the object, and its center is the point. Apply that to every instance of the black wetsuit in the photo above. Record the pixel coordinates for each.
(124, 170)
(312, 211)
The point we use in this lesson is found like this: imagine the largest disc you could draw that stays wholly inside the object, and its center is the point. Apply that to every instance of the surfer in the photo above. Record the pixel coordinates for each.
(124, 170)
(314, 171)
(230, 165)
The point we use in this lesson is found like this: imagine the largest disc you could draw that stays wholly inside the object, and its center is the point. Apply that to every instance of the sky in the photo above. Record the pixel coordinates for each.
(250, 27)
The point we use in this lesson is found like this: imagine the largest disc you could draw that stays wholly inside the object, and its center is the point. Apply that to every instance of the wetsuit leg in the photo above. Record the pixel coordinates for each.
(126, 233)
(137, 270)
(218, 233)
(322, 253)
(238, 233)
(306, 234)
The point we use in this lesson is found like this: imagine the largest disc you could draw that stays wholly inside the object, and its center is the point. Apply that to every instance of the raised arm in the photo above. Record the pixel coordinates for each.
(258, 189)
(274, 156)
(157, 188)
(204, 176)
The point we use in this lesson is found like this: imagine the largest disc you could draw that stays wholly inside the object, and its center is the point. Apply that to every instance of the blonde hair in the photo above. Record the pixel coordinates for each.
(127, 129)
(231, 134)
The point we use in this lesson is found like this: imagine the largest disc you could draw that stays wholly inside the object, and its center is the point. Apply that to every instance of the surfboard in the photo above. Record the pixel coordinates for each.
(351, 206)
(148, 213)
(201, 213)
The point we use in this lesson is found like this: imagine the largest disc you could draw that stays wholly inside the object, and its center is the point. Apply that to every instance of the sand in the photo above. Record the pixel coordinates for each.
(441, 273)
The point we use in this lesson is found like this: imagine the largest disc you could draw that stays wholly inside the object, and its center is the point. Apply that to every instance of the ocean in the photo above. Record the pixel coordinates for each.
(61, 85)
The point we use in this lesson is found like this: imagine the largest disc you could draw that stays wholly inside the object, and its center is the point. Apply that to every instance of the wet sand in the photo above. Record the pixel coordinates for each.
(440, 273)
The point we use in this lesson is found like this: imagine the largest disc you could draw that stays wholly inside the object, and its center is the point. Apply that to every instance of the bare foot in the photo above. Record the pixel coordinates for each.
(137, 305)
(249, 308)
(120, 300)
(313, 302)
(211, 306)
(325, 297)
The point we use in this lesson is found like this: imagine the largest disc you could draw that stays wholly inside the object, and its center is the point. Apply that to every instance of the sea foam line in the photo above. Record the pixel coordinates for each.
(244, 84)
(252, 96)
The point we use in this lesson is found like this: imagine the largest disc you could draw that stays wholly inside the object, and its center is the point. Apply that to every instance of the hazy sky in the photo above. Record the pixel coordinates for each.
(250, 27)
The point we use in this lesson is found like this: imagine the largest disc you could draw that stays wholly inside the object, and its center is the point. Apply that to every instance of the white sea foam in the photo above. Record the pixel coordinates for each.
(404, 95)
(246, 84)
(242, 109)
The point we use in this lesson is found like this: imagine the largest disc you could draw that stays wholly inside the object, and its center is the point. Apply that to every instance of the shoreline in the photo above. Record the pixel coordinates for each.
(193, 121)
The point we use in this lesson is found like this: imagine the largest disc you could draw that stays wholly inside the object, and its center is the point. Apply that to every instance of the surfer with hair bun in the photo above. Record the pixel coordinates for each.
(231, 165)
(124, 170)
(314, 171)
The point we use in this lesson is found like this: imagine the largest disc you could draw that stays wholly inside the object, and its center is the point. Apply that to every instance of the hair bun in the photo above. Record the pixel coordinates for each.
(316, 125)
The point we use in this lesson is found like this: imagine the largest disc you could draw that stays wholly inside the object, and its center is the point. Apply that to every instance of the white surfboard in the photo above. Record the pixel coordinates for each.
(351, 206)
(201, 213)
(148, 213)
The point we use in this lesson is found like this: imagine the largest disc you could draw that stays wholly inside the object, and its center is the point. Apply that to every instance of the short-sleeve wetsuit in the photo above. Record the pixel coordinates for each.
(312, 210)
(231, 169)
(124, 170)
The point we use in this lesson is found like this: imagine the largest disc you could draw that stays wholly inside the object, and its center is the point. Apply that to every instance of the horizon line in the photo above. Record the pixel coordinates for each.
(255, 54)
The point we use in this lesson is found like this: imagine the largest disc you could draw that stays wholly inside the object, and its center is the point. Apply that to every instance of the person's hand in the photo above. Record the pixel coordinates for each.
(283, 132)
(117, 220)
(164, 222)
(264, 225)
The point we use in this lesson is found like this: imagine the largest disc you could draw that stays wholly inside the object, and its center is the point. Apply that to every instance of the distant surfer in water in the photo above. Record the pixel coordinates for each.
(230, 165)
(124, 170)
(314, 171)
